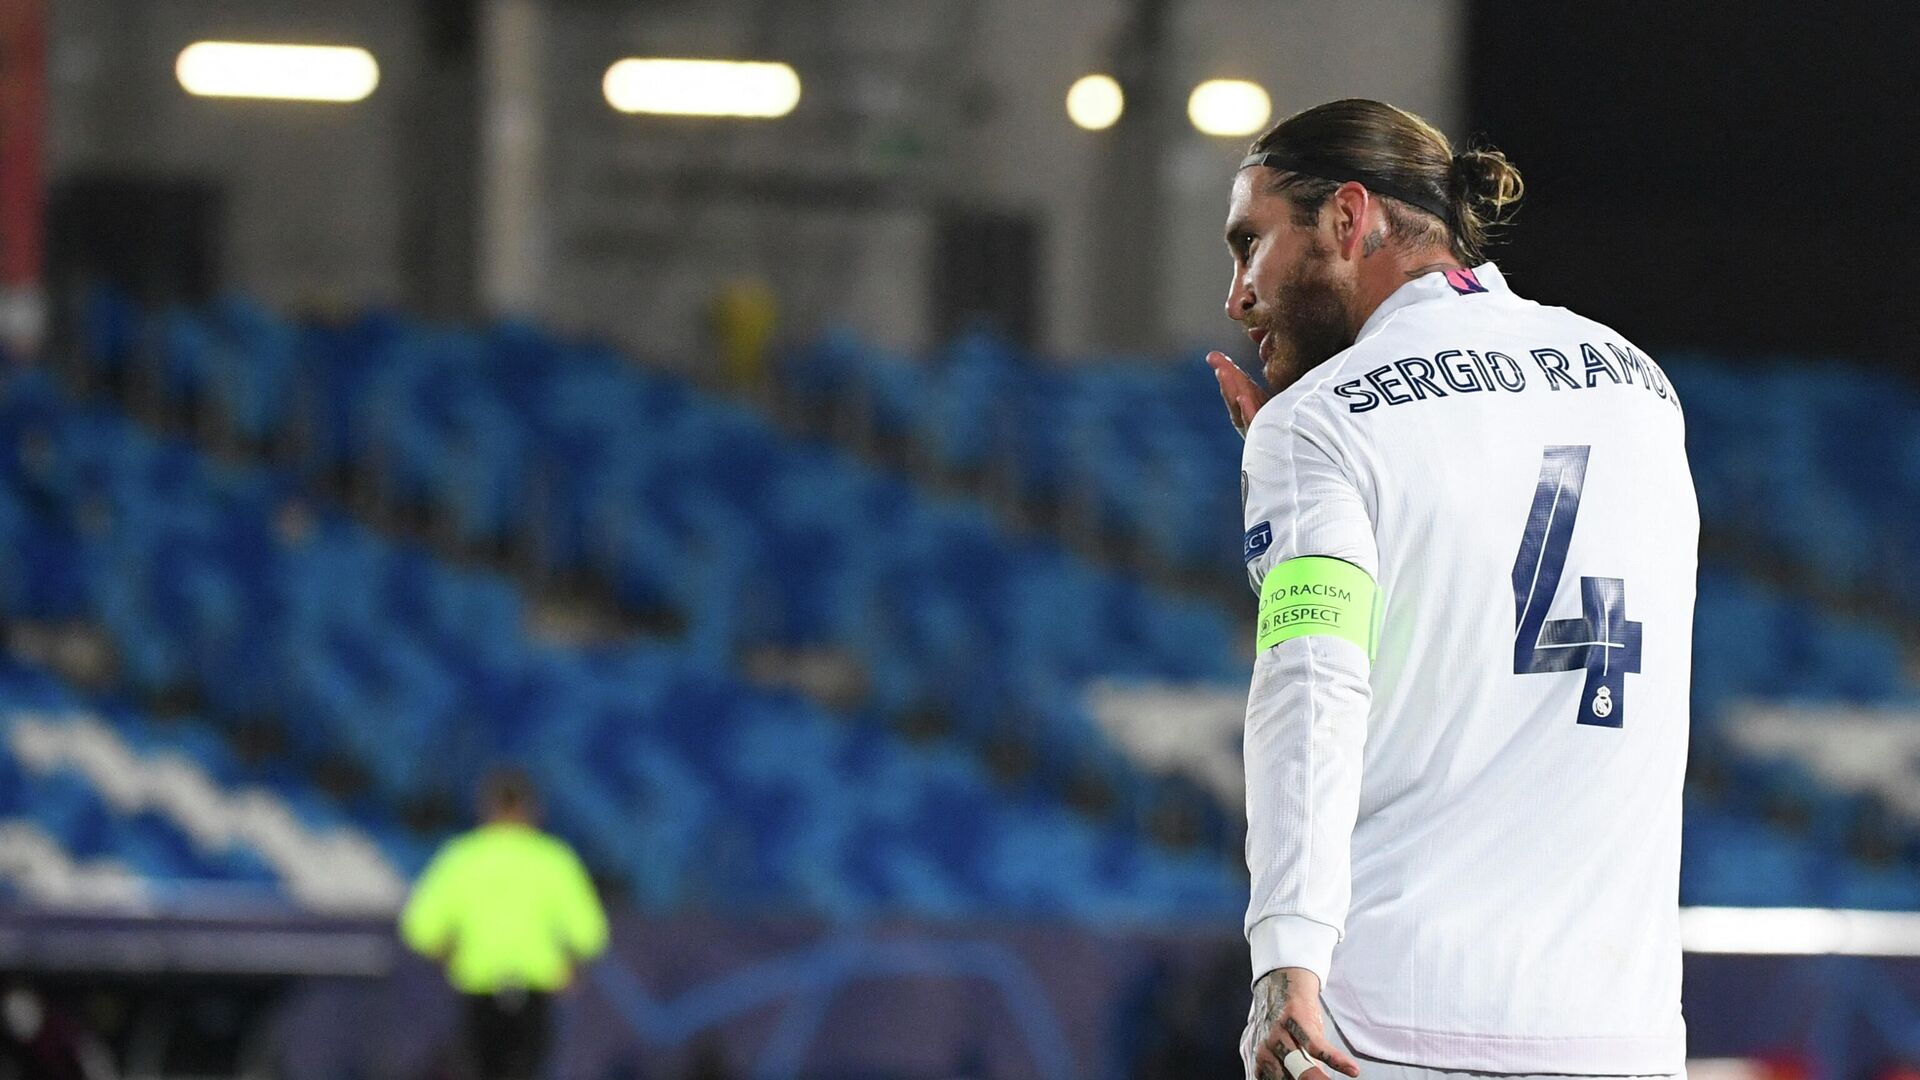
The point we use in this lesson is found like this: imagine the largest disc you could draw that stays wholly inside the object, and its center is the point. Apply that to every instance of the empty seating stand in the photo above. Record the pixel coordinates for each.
(685, 782)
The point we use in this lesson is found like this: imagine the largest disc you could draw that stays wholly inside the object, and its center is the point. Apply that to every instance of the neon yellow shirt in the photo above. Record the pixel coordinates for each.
(505, 906)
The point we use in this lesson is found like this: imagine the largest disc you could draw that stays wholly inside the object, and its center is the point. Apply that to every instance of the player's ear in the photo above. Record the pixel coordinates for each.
(1349, 204)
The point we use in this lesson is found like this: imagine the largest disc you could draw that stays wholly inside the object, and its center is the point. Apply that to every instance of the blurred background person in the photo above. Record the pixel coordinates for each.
(511, 912)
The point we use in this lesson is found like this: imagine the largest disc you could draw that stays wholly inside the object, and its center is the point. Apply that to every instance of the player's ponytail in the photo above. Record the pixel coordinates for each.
(1431, 194)
(1484, 186)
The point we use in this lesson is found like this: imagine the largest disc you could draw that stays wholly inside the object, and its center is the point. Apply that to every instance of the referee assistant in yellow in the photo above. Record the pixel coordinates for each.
(510, 911)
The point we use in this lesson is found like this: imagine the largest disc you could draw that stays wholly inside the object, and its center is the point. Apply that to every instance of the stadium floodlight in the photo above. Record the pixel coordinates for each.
(1233, 107)
(249, 69)
(1094, 102)
(670, 87)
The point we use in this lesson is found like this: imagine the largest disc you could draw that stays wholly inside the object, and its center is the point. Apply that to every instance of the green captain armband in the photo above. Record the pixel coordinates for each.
(1315, 594)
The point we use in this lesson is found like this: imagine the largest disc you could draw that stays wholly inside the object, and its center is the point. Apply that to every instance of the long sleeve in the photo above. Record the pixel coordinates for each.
(1307, 707)
(582, 920)
(426, 923)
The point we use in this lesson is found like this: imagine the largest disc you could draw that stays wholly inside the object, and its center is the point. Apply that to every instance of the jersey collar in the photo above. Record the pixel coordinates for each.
(1438, 285)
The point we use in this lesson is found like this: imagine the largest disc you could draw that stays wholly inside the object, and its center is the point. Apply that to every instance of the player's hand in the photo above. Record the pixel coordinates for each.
(1242, 397)
(1285, 1017)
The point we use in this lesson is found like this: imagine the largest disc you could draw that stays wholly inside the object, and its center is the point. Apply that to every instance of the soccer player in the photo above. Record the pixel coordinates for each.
(1473, 534)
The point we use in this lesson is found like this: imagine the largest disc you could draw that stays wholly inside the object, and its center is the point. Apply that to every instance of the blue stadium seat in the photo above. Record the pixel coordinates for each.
(689, 783)
(676, 776)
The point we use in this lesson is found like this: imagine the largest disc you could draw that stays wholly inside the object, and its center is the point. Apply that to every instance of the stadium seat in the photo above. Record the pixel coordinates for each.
(682, 779)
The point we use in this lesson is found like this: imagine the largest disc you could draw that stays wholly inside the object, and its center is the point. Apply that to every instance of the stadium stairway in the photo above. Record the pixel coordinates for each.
(38, 868)
(98, 807)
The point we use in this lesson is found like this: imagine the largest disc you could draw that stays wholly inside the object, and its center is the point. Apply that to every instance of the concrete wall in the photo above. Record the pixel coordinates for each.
(1402, 51)
(314, 191)
(907, 104)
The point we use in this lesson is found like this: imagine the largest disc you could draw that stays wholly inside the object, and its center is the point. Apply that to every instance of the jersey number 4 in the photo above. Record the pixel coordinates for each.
(1601, 640)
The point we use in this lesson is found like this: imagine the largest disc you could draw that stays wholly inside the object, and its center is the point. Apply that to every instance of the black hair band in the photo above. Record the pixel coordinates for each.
(1339, 174)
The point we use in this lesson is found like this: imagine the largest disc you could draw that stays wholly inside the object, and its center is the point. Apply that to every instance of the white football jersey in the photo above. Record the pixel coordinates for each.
(1474, 838)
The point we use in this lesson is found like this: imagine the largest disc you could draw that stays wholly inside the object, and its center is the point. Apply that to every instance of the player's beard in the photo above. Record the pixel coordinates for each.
(1309, 326)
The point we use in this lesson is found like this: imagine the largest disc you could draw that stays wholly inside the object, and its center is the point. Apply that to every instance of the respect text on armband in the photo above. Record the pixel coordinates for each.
(1458, 372)
(1317, 595)
(1313, 602)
